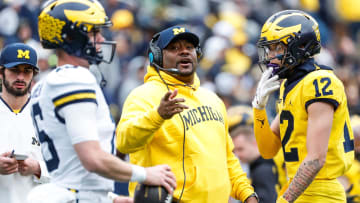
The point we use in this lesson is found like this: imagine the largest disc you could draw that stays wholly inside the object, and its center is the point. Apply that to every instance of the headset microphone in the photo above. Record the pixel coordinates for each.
(170, 70)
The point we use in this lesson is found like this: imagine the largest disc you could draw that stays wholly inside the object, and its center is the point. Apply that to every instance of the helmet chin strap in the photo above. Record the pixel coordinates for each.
(282, 73)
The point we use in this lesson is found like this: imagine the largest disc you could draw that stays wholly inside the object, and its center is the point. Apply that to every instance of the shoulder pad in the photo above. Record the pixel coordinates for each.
(69, 74)
(320, 74)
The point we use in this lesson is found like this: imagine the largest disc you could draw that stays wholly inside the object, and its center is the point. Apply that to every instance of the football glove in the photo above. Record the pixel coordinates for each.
(266, 86)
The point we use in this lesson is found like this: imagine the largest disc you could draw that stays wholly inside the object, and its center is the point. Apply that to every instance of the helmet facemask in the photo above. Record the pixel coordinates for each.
(106, 50)
(82, 43)
(269, 51)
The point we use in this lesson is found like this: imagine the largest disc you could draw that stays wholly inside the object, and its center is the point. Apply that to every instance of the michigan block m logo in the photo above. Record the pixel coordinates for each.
(23, 54)
(178, 30)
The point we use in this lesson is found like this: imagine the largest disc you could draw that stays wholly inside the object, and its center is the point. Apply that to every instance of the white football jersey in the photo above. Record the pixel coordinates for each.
(67, 85)
(18, 134)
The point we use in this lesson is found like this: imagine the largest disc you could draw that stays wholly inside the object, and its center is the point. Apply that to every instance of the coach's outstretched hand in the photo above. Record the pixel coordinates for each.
(170, 105)
(161, 175)
(266, 86)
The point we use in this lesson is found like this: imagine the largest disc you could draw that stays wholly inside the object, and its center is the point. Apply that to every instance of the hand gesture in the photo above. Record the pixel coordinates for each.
(161, 175)
(266, 86)
(29, 167)
(8, 165)
(170, 105)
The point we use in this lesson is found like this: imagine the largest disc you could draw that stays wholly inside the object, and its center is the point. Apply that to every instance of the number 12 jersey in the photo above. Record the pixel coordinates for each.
(319, 85)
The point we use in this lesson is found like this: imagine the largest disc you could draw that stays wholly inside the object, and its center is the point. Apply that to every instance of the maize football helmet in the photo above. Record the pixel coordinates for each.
(297, 31)
(66, 24)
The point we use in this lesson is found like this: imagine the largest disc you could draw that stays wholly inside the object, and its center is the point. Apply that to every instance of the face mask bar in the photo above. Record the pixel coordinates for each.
(107, 48)
(265, 59)
(107, 52)
(264, 50)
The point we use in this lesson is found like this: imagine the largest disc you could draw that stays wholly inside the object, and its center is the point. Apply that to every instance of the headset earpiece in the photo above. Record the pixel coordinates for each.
(155, 54)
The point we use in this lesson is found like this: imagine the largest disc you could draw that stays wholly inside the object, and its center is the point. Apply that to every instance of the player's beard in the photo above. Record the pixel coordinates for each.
(14, 91)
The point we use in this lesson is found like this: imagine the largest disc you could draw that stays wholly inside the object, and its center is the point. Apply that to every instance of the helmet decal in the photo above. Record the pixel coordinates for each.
(297, 31)
(50, 29)
(72, 25)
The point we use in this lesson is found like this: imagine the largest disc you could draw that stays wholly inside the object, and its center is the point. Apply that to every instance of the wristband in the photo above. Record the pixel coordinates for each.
(138, 174)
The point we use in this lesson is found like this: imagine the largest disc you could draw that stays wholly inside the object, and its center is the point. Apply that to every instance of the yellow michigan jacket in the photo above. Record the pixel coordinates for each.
(213, 173)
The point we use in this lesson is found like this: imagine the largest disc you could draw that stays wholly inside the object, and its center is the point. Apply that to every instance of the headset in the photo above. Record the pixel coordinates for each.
(156, 56)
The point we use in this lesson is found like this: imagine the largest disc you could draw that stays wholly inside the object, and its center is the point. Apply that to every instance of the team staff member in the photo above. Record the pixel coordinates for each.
(70, 111)
(313, 124)
(246, 149)
(240, 117)
(17, 178)
(171, 119)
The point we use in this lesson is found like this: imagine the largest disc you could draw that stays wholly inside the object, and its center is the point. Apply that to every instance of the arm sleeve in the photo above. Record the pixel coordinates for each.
(268, 142)
(241, 187)
(139, 121)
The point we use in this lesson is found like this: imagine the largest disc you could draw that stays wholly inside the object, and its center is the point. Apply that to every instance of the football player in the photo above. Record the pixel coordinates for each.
(70, 112)
(313, 125)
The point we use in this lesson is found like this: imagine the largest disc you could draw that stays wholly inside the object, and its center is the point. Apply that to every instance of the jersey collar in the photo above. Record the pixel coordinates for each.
(14, 111)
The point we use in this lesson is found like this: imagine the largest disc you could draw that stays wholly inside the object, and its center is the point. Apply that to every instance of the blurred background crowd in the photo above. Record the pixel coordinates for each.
(228, 29)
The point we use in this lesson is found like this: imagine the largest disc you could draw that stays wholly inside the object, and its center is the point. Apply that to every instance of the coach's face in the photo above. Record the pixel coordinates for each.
(17, 80)
(181, 54)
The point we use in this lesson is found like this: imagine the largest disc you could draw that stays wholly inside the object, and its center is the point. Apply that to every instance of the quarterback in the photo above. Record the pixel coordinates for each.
(70, 112)
(312, 125)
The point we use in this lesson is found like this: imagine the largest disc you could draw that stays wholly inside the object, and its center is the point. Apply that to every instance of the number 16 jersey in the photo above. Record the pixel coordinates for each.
(319, 85)
(64, 86)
